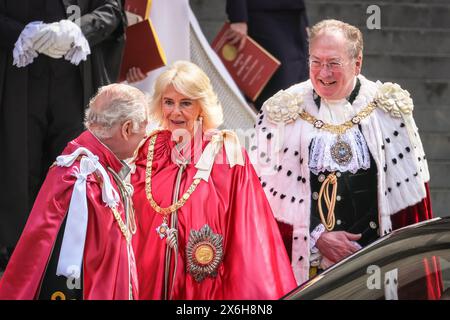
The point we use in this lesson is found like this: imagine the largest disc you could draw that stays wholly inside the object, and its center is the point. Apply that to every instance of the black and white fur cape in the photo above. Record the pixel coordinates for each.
(280, 153)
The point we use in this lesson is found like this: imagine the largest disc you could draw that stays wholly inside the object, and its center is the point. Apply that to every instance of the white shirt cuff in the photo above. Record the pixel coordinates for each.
(315, 235)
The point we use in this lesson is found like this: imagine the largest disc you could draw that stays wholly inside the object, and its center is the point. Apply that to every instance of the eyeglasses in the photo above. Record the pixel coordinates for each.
(332, 65)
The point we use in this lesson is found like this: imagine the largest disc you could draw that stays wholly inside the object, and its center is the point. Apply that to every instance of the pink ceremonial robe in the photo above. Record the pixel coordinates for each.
(255, 264)
(105, 259)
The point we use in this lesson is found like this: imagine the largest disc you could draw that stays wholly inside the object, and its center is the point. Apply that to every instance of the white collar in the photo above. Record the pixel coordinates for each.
(336, 111)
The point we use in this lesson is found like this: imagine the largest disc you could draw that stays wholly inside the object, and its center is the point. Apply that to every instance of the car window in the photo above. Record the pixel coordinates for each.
(423, 276)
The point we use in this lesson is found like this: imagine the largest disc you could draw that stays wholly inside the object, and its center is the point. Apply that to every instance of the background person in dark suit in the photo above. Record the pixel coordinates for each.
(281, 28)
(42, 100)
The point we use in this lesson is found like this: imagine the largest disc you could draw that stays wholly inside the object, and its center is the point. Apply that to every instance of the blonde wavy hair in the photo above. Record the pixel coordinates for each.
(189, 80)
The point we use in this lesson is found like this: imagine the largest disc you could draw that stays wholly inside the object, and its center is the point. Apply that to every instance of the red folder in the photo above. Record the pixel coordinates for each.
(251, 68)
(142, 49)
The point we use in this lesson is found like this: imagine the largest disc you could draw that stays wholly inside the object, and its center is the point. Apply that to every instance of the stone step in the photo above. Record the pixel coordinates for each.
(402, 66)
(404, 14)
(425, 13)
(436, 145)
(389, 40)
(440, 202)
(210, 14)
(425, 92)
(211, 28)
(209, 10)
(410, 41)
(435, 119)
(439, 174)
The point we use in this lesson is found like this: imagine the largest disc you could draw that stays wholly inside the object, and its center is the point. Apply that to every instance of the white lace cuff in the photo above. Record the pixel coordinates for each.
(23, 52)
(315, 235)
(80, 49)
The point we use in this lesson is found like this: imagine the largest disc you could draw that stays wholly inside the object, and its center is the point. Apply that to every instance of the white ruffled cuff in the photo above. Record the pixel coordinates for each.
(23, 52)
(315, 235)
(80, 49)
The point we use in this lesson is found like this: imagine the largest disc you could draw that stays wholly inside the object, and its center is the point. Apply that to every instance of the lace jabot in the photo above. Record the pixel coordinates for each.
(320, 159)
(337, 112)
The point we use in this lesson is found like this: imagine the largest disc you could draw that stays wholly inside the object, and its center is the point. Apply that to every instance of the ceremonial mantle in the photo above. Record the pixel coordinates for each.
(82, 188)
(286, 127)
(218, 239)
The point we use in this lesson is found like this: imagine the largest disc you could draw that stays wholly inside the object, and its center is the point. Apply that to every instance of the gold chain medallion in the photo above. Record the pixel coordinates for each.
(163, 228)
(341, 152)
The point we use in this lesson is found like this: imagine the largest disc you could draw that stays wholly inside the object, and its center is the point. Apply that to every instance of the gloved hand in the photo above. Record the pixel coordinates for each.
(54, 39)
(23, 52)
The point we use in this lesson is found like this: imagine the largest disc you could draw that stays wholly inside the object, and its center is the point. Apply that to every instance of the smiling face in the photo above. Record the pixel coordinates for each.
(179, 111)
(332, 70)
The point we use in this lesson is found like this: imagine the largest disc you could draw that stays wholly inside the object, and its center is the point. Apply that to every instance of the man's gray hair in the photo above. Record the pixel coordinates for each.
(114, 104)
(351, 33)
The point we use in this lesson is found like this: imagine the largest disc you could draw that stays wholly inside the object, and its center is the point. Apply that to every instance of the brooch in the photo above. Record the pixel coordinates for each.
(204, 253)
(341, 152)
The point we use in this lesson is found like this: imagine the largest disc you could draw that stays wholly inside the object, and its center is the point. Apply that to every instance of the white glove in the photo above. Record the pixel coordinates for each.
(55, 39)
(23, 52)
(63, 38)
(79, 49)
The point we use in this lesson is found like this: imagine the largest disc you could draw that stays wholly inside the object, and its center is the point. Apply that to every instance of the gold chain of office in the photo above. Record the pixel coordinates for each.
(339, 128)
(148, 185)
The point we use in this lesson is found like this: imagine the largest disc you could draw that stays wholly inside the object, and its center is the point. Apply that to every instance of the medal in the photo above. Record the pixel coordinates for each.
(341, 152)
(204, 253)
(162, 229)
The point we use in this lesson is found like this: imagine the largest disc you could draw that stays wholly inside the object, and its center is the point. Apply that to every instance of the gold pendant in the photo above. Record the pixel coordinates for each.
(204, 252)
(341, 152)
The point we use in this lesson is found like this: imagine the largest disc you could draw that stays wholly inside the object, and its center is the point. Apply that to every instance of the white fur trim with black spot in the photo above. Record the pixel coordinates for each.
(280, 152)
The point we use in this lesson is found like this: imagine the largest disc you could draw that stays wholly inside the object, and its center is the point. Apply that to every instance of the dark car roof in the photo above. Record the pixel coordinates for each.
(429, 235)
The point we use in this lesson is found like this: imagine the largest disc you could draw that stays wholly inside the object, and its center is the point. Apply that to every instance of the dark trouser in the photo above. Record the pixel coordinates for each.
(55, 116)
(41, 110)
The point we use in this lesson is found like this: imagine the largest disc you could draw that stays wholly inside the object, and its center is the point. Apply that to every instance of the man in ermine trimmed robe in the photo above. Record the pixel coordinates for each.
(339, 156)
